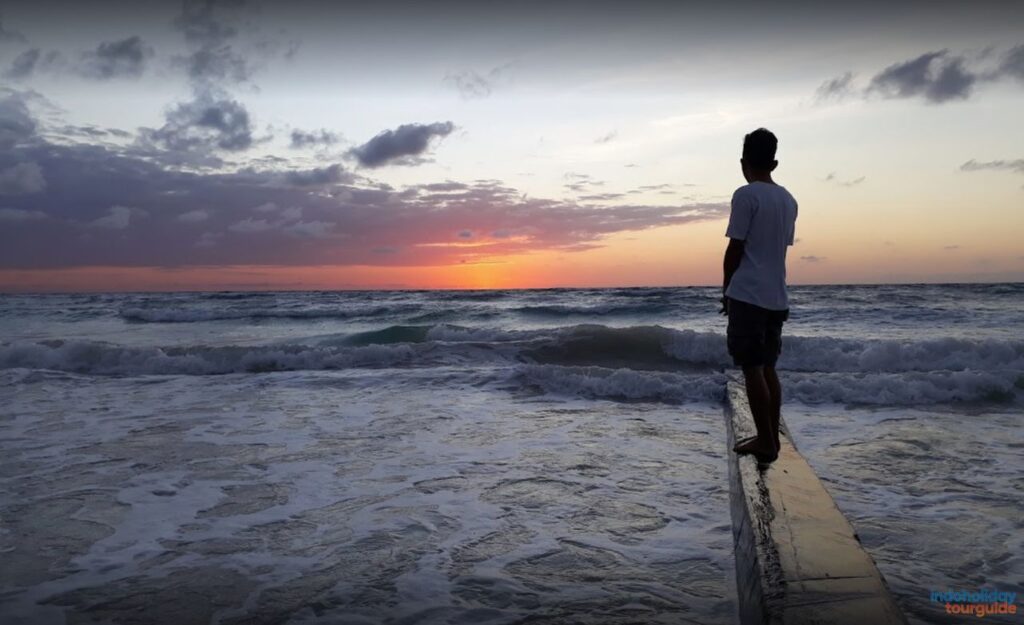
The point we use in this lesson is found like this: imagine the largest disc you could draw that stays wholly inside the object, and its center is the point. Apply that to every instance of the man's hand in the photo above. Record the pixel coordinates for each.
(725, 306)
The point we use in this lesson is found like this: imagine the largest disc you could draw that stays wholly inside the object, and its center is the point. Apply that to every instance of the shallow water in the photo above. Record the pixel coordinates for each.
(936, 496)
(359, 496)
(480, 456)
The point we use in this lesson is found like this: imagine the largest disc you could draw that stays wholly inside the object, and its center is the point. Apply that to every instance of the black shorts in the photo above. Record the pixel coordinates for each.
(754, 334)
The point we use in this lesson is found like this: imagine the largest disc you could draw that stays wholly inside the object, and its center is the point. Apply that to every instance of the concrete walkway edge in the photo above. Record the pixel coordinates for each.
(798, 560)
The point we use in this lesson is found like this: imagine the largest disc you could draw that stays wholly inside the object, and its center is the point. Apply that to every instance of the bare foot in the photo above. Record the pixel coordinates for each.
(763, 453)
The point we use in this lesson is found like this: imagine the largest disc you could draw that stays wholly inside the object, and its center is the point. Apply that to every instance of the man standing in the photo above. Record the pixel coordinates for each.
(761, 227)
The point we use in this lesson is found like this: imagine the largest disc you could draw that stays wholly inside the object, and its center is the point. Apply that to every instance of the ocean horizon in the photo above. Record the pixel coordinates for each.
(247, 288)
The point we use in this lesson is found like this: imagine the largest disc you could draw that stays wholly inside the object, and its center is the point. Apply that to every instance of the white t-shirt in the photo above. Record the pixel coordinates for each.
(764, 216)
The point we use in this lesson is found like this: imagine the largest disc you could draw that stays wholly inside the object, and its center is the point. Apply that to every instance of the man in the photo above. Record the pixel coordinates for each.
(761, 227)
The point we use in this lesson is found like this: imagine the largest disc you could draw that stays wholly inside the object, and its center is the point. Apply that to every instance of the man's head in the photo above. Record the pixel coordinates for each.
(759, 154)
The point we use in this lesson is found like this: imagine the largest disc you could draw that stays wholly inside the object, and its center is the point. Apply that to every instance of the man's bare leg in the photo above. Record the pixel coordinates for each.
(763, 446)
(775, 390)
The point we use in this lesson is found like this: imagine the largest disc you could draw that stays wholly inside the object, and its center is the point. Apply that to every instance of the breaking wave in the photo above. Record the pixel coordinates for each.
(647, 363)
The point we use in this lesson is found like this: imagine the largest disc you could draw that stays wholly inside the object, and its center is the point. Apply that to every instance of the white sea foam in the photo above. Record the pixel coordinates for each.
(603, 383)
(886, 389)
(222, 313)
(589, 360)
(866, 355)
(370, 501)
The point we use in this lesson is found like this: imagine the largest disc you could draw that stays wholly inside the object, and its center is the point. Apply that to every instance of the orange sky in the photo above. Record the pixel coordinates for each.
(688, 255)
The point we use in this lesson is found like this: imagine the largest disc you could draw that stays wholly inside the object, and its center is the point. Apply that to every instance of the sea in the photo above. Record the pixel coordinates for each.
(483, 456)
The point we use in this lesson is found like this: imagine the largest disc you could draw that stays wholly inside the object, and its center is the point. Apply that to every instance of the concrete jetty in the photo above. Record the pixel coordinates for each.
(798, 560)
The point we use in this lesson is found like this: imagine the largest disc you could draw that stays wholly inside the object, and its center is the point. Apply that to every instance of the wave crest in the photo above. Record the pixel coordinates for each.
(650, 363)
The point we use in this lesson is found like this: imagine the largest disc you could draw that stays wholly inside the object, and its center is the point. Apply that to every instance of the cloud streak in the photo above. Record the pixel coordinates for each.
(1000, 165)
(301, 139)
(834, 178)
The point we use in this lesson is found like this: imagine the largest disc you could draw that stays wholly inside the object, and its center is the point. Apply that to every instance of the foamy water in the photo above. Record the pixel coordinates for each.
(480, 456)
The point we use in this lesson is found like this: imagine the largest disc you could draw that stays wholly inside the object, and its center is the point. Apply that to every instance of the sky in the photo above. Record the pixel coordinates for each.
(239, 144)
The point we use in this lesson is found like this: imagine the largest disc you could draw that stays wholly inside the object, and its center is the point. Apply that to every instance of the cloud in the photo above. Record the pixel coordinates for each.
(472, 85)
(311, 229)
(23, 65)
(832, 177)
(209, 28)
(208, 239)
(34, 61)
(836, 88)
(255, 216)
(16, 122)
(813, 259)
(118, 218)
(580, 182)
(204, 123)
(216, 65)
(90, 131)
(1000, 165)
(301, 139)
(9, 36)
(250, 225)
(212, 30)
(195, 216)
(936, 77)
(606, 137)
(212, 120)
(125, 58)
(21, 178)
(1013, 63)
(400, 146)
(17, 214)
(602, 196)
(318, 176)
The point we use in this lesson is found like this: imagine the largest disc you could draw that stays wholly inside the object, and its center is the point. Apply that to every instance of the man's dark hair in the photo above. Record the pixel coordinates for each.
(759, 148)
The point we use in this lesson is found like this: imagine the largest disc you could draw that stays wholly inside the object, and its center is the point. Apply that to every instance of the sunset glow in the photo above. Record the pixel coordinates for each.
(213, 148)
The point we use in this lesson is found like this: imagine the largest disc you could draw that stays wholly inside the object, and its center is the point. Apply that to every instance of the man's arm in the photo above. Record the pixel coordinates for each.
(741, 215)
(731, 262)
